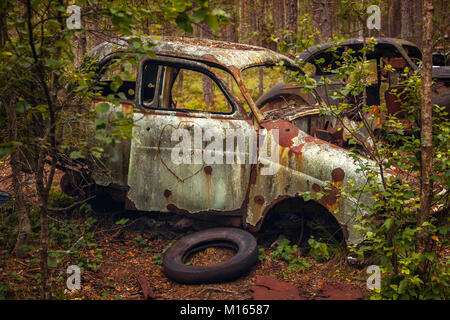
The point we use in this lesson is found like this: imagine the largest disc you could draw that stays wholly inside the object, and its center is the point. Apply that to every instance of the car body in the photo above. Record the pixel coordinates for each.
(139, 170)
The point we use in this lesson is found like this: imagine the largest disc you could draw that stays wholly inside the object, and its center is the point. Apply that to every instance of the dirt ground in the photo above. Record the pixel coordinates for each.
(134, 250)
(124, 262)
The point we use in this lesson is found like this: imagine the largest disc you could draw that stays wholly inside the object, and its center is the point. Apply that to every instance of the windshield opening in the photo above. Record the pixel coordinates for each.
(259, 79)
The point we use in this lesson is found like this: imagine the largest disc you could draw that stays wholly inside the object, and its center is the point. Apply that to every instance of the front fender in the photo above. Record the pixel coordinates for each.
(307, 164)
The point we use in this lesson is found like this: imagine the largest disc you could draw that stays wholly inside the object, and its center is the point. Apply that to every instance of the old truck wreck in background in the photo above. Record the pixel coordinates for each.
(140, 172)
(323, 59)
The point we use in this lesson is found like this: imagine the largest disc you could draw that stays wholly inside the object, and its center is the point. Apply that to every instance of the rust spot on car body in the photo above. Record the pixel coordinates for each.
(330, 199)
(208, 170)
(286, 131)
(167, 193)
(316, 187)
(259, 199)
(296, 150)
(337, 175)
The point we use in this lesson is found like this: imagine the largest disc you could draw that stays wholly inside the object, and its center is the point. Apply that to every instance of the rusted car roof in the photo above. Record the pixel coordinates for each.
(227, 54)
(305, 54)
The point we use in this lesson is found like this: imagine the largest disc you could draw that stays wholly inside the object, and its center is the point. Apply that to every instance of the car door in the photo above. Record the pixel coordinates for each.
(180, 135)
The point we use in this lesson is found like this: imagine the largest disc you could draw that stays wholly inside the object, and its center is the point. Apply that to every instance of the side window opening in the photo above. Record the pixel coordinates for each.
(151, 72)
(197, 91)
(182, 89)
(259, 79)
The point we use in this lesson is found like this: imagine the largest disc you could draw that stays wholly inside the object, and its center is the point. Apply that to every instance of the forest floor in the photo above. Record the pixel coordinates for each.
(124, 260)
(114, 259)
(116, 248)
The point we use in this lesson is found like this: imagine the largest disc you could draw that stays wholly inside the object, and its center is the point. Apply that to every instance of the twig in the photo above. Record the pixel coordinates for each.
(218, 290)
(72, 206)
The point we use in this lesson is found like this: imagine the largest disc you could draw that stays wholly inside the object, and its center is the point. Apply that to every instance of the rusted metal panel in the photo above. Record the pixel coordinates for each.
(223, 53)
(397, 44)
(157, 184)
(308, 164)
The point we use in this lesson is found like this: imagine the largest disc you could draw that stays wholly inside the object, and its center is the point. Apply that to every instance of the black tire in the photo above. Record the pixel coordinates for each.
(241, 241)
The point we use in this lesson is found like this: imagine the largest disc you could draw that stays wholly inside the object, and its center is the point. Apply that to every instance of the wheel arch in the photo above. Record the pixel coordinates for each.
(283, 204)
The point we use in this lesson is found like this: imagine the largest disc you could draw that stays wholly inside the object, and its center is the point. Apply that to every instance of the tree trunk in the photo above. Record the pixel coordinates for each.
(180, 81)
(406, 19)
(291, 15)
(3, 29)
(260, 18)
(418, 22)
(316, 9)
(278, 15)
(81, 40)
(43, 197)
(243, 22)
(334, 17)
(252, 23)
(394, 19)
(426, 146)
(326, 20)
(385, 19)
(322, 16)
(24, 225)
(291, 23)
(231, 33)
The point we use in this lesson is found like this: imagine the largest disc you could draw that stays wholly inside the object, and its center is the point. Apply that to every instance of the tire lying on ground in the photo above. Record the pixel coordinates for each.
(242, 242)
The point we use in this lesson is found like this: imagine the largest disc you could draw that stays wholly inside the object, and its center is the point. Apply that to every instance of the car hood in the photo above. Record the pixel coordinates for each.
(290, 112)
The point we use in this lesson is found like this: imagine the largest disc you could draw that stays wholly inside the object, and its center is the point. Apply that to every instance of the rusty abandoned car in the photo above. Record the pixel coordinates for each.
(140, 171)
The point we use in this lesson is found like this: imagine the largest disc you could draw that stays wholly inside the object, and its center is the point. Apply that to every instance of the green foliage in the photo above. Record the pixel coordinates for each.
(157, 259)
(391, 227)
(288, 253)
(59, 199)
(140, 242)
(318, 250)
(261, 254)
(76, 242)
(122, 221)
(392, 204)
(3, 290)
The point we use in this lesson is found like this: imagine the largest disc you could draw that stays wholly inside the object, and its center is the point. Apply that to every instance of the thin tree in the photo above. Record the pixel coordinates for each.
(418, 22)
(406, 10)
(243, 22)
(326, 19)
(426, 141)
(24, 226)
(260, 27)
(291, 15)
(394, 19)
